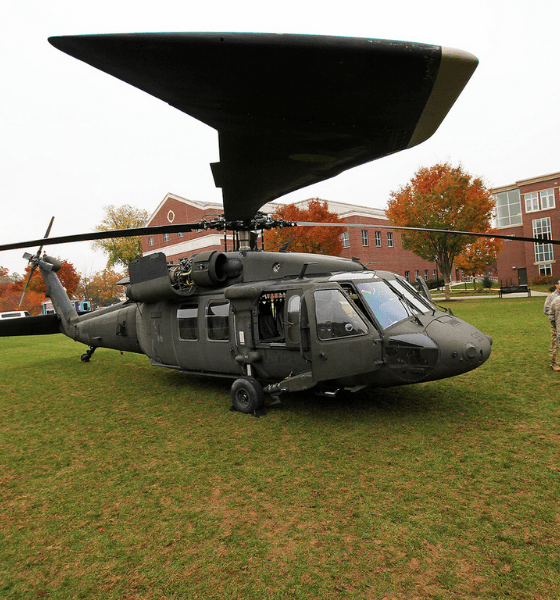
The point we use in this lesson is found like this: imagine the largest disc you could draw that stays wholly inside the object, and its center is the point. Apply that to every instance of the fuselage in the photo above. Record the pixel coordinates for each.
(349, 328)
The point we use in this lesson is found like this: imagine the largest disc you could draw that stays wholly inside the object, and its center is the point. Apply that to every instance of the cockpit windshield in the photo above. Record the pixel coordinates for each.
(390, 302)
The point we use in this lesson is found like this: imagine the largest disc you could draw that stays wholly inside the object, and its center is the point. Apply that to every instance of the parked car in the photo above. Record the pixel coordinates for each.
(14, 314)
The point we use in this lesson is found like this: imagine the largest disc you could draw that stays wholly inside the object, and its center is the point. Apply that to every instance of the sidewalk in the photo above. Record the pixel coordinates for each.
(441, 297)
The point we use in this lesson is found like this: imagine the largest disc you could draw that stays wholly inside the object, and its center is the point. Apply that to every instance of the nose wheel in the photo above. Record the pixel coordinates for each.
(247, 395)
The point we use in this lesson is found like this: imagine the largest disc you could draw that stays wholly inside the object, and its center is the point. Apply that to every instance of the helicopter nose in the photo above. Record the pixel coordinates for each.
(462, 346)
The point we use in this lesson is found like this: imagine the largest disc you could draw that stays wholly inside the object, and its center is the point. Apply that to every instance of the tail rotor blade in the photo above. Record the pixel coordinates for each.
(34, 260)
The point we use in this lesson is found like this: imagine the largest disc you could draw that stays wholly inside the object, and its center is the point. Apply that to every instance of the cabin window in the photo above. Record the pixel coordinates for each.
(217, 320)
(271, 317)
(187, 318)
(336, 317)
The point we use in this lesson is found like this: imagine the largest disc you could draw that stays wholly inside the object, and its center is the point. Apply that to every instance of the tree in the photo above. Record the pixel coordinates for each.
(478, 256)
(102, 288)
(5, 280)
(441, 197)
(317, 240)
(121, 251)
(67, 275)
(11, 297)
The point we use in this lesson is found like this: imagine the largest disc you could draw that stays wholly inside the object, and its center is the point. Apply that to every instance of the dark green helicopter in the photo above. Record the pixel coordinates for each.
(290, 110)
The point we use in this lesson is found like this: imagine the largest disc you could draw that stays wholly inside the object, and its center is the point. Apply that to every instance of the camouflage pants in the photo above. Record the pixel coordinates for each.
(553, 346)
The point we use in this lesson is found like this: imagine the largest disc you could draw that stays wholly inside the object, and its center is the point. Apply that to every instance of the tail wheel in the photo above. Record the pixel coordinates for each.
(247, 395)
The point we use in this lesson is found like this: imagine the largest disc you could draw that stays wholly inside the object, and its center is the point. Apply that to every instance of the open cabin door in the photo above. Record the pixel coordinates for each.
(336, 337)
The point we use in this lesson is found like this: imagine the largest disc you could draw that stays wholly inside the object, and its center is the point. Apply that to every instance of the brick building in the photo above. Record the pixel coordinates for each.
(526, 208)
(529, 208)
(379, 248)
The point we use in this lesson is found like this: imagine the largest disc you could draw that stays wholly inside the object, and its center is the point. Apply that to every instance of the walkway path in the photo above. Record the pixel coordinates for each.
(441, 298)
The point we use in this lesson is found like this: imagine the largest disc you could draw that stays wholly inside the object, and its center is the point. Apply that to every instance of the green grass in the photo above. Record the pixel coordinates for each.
(119, 480)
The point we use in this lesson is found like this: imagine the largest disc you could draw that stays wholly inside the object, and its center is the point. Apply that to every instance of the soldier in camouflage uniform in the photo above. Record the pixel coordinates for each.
(552, 310)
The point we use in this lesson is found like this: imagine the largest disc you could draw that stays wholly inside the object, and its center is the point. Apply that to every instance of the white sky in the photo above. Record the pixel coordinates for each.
(75, 139)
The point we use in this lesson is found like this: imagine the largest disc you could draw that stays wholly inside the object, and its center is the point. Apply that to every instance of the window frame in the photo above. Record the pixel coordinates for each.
(209, 321)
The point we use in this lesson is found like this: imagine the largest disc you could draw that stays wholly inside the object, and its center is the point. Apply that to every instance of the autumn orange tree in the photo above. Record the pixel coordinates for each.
(478, 256)
(101, 288)
(67, 275)
(441, 197)
(317, 240)
(11, 294)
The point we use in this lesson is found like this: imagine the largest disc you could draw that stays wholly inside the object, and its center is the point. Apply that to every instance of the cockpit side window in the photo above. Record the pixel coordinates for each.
(336, 317)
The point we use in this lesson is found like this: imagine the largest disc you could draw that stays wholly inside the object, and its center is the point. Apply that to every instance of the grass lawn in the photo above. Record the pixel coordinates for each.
(119, 480)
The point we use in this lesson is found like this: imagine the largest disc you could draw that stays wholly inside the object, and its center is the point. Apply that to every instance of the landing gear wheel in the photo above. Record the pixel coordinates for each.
(87, 355)
(247, 395)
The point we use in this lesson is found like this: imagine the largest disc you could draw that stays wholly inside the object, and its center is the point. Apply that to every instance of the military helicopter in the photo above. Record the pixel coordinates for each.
(290, 110)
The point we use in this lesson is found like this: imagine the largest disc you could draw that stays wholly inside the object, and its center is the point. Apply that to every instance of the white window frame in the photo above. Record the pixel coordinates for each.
(390, 242)
(544, 253)
(150, 241)
(547, 199)
(345, 237)
(378, 239)
(508, 208)
(365, 238)
(532, 202)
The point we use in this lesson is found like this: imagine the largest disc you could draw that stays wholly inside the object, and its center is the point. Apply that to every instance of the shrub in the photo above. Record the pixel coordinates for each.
(487, 282)
(544, 280)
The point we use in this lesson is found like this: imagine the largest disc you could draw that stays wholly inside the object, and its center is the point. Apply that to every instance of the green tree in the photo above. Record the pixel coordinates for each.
(441, 197)
(121, 251)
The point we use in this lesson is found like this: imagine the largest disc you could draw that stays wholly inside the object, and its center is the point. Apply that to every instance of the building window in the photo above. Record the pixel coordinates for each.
(407, 275)
(180, 234)
(425, 273)
(150, 241)
(542, 230)
(508, 208)
(547, 199)
(531, 202)
(434, 274)
(365, 241)
(345, 237)
(390, 239)
(416, 273)
(545, 269)
(165, 237)
(378, 239)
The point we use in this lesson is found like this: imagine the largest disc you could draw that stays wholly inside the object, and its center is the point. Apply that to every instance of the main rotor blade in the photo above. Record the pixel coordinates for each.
(105, 235)
(511, 238)
(290, 110)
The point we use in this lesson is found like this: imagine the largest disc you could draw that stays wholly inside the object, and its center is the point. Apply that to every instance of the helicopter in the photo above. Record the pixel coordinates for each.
(290, 110)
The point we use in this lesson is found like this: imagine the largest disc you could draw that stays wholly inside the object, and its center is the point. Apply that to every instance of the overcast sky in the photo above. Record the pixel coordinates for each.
(75, 139)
